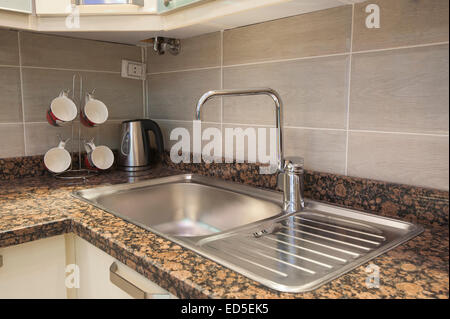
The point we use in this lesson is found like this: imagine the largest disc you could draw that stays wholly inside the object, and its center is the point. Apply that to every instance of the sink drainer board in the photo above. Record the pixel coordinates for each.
(305, 250)
(291, 253)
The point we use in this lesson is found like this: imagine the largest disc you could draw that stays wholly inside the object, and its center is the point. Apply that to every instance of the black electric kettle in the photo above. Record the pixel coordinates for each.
(135, 150)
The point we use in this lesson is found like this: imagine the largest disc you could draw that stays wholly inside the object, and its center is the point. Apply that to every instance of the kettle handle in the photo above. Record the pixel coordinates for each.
(149, 125)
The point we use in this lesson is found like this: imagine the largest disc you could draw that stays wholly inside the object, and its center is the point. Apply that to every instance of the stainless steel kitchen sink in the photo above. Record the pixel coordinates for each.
(244, 228)
(186, 205)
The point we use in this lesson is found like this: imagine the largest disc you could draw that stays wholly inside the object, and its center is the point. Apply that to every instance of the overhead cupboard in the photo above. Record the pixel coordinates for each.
(23, 6)
(168, 5)
(113, 6)
(161, 5)
(130, 21)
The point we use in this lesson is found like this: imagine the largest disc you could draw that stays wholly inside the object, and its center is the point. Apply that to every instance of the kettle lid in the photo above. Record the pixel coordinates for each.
(136, 120)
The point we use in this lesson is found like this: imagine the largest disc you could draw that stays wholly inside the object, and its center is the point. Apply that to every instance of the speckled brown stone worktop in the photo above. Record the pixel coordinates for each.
(39, 207)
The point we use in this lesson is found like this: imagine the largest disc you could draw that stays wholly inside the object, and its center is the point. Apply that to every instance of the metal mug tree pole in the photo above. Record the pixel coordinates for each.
(80, 173)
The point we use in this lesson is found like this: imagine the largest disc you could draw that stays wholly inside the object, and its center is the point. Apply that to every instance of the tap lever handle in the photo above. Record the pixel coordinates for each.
(293, 165)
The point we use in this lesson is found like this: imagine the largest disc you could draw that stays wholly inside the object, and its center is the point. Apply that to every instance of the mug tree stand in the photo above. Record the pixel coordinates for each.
(76, 172)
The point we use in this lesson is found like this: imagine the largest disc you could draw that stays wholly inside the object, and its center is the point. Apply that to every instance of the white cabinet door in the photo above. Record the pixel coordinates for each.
(38, 270)
(94, 269)
(24, 6)
(34, 270)
(53, 6)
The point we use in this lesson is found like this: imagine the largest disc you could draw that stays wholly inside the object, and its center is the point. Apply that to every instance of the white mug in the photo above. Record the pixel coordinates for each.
(98, 157)
(94, 112)
(58, 159)
(62, 110)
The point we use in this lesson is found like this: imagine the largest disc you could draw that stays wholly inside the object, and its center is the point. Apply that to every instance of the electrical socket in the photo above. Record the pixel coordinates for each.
(133, 70)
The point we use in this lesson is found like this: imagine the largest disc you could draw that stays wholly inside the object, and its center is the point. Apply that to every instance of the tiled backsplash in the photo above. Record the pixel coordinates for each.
(369, 103)
(34, 68)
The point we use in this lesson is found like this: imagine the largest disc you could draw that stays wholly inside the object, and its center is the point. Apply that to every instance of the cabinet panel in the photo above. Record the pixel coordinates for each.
(53, 6)
(94, 265)
(169, 5)
(34, 270)
(17, 5)
(95, 2)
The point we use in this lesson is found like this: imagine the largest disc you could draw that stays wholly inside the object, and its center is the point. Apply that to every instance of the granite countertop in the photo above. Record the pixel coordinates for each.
(35, 208)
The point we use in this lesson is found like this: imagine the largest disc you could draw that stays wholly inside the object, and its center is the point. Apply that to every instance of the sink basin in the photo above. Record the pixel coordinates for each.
(244, 228)
(184, 208)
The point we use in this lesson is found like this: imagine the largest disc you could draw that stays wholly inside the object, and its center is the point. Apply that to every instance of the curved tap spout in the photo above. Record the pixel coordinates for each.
(248, 92)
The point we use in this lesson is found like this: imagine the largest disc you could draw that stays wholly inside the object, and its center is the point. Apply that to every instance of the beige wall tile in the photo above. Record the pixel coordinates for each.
(401, 90)
(168, 126)
(174, 96)
(11, 100)
(245, 148)
(123, 97)
(11, 140)
(40, 87)
(40, 137)
(314, 92)
(109, 134)
(87, 134)
(197, 52)
(402, 22)
(322, 150)
(69, 53)
(317, 33)
(9, 48)
(401, 158)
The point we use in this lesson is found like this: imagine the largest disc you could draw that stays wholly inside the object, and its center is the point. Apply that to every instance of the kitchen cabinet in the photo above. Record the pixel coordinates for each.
(129, 21)
(24, 6)
(169, 5)
(94, 7)
(95, 2)
(34, 270)
(68, 266)
(95, 276)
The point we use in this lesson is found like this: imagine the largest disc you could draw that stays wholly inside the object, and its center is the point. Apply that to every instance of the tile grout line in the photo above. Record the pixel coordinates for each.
(288, 60)
(144, 82)
(315, 128)
(252, 63)
(45, 122)
(312, 128)
(268, 125)
(71, 70)
(304, 58)
(186, 70)
(423, 45)
(221, 80)
(21, 93)
(400, 133)
(349, 82)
